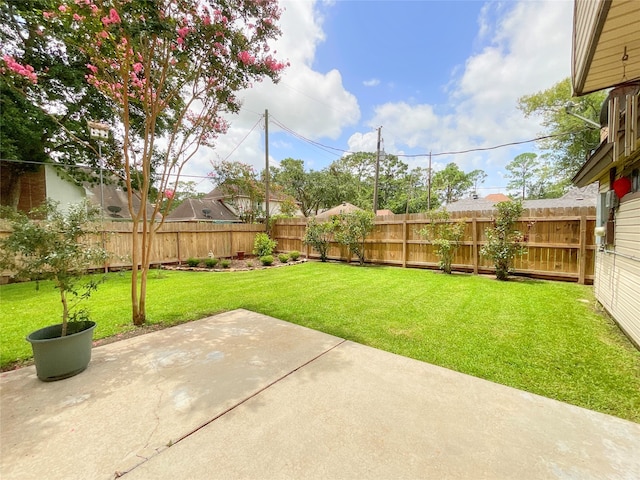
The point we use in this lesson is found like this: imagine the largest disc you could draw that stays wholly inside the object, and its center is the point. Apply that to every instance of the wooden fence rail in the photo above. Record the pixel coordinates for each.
(560, 242)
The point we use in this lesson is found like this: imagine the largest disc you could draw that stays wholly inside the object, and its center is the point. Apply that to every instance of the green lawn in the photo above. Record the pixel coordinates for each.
(543, 337)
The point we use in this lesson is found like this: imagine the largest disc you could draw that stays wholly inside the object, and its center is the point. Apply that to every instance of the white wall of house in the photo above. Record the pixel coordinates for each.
(62, 190)
(617, 270)
(243, 204)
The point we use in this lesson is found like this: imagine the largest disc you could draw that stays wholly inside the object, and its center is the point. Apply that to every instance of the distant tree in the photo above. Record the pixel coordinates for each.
(240, 183)
(477, 177)
(521, 173)
(392, 180)
(451, 183)
(573, 139)
(547, 182)
(183, 191)
(308, 188)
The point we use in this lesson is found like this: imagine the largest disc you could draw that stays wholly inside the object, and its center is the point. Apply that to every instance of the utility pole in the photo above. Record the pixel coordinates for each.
(375, 184)
(429, 185)
(100, 131)
(266, 161)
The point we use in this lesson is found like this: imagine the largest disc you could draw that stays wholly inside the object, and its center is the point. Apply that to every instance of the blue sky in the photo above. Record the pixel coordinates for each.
(438, 76)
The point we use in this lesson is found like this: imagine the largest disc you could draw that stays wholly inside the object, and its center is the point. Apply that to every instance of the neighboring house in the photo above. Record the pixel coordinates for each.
(575, 197)
(203, 210)
(241, 204)
(50, 182)
(344, 207)
(606, 54)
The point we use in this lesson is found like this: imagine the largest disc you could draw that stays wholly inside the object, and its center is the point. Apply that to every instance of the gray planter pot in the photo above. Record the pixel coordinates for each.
(59, 357)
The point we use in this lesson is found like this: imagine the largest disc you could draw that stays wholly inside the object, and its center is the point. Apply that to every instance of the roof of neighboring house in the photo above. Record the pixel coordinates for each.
(219, 193)
(116, 204)
(497, 197)
(384, 212)
(344, 207)
(575, 197)
(202, 209)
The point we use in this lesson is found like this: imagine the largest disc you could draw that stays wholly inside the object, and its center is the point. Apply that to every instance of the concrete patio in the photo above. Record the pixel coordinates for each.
(243, 395)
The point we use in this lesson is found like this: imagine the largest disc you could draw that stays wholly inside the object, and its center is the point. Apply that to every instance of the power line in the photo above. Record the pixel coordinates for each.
(438, 154)
(242, 141)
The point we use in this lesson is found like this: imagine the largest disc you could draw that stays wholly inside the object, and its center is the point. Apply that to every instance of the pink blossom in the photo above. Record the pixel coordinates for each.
(48, 15)
(93, 68)
(183, 31)
(26, 71)
(78, 18)
(62, 8)
(206, 20)
(137, 67)
(169, 193)
(104, 34)
(246, 58)
(113, 14)
(180, 40)
(94, 9)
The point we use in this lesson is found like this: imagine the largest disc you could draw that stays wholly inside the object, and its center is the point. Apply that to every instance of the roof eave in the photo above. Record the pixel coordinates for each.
(593, 168)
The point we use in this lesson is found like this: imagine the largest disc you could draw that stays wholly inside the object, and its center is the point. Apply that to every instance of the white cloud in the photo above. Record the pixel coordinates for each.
(314, 104)
(526, 49)
(374, 82)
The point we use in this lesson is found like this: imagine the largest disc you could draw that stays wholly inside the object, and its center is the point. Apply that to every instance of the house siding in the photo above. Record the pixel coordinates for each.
(62, 190)
(585, 20)
(617, 275)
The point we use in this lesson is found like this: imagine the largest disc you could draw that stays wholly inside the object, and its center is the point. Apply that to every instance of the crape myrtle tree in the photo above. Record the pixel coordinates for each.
(176, 63)
(45, 108)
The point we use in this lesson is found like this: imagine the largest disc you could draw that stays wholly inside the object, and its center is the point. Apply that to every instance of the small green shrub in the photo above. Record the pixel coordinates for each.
(225, 263)
(250, 264)
(295, 255)
(193, 262)
(504, 240)
(319, 235)
(266, 260)
(211, 262)
(283, 257)
(263, 245)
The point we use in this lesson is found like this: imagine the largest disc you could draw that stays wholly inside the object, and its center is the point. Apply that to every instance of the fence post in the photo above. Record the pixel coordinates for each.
(178, 247)
(582, 256)
(474, 243)
(404, 242)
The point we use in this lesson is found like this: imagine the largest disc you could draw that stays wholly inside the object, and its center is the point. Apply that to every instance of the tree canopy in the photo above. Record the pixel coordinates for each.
(571, 139)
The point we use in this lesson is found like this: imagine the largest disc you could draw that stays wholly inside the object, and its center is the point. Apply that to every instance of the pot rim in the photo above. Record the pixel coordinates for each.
(89, 325)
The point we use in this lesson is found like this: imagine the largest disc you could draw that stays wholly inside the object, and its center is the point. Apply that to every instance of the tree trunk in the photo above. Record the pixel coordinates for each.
(65, 311)
(11, 183)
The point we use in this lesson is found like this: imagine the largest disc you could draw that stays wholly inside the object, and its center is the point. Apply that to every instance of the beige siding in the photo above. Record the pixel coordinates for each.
(585, 17)
(617, 276)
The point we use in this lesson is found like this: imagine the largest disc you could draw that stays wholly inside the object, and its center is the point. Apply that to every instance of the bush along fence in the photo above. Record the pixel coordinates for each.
(560, 242)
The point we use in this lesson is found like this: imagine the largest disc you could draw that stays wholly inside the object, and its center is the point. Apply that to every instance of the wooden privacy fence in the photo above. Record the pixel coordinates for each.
(175, 242)
(560, 242)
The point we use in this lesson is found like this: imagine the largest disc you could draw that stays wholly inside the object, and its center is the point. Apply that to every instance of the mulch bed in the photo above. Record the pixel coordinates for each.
(249, 263)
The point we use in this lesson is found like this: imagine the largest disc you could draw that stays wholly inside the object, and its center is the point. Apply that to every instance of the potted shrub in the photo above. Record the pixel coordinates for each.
(52, 245)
